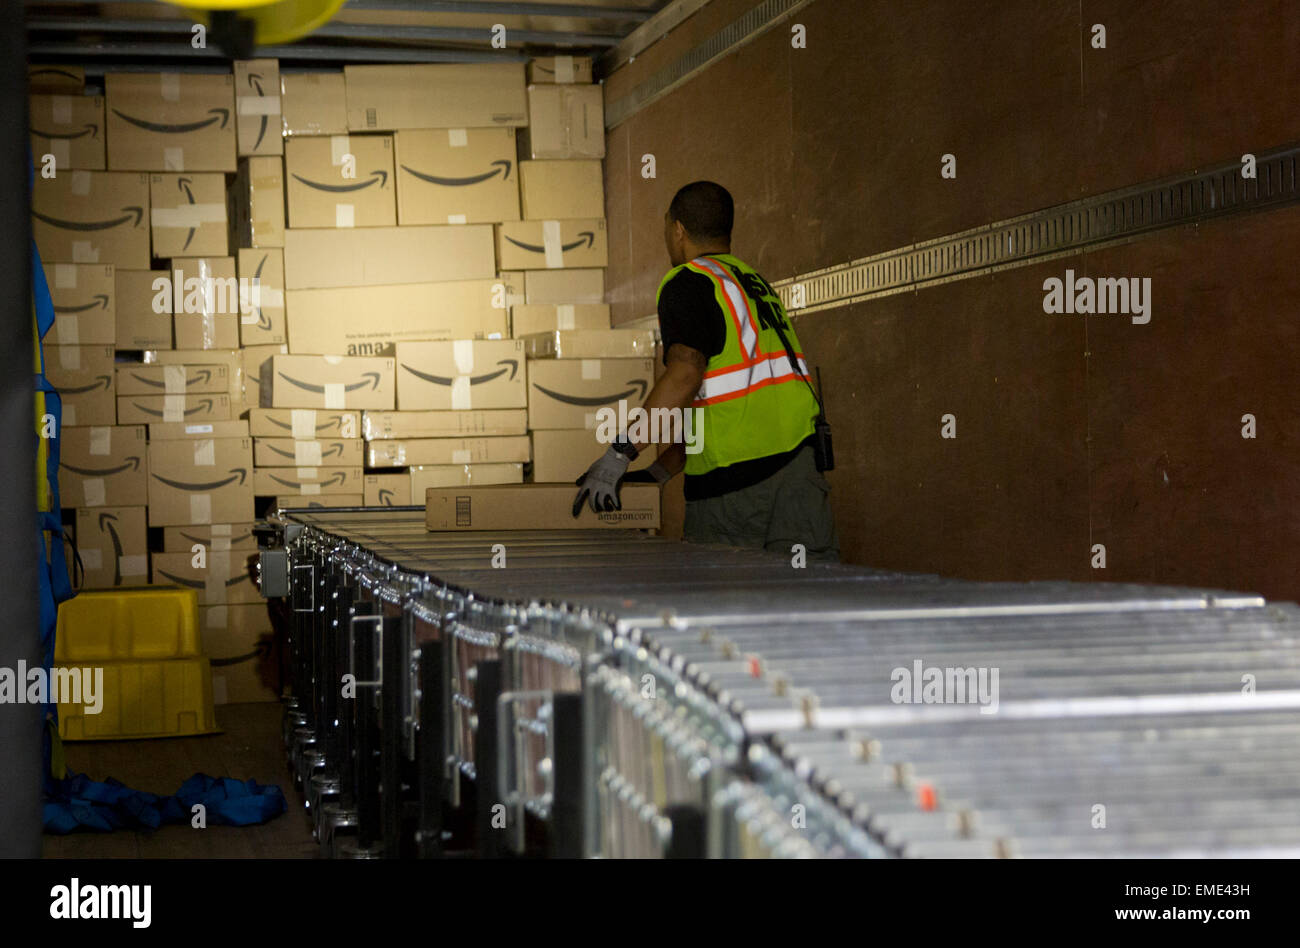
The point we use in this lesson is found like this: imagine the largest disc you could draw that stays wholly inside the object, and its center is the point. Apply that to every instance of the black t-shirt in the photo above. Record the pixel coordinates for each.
(689, 315)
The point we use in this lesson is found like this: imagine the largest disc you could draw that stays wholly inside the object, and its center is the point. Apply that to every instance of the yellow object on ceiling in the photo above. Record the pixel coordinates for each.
(274, 21)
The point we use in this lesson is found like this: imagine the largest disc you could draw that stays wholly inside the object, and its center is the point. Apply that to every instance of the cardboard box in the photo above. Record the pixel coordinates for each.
(215, 536)
(340, 181)
(479, 95)
(564, 122)
(200, 481)
(313, 501)
(327, 258)
(206, 296)
(256, 202)
(461, 375)
(84, 377)
(240, 645)
(113, 544)
(427, 451)
(536, 507)
(223, 578)
(370, 320)
(563, 455)
(327, 381)
(564, 70)
(564, 286)
(457, 176)
(257, 107)
(172, 409)
(510, 285)
(230, 358)
(551, 245)
(387, 490)
(187, 214)
(92, 217)
(303, 424)
(84, 298)
(287, 452)
(377, 425)
(568, 393)
(70, 128)
(313, 103)
(60, 80)
(253, 358)
(141, 379)
(423, 479)
(591, 344)
(306, 481)
(143, 309)
(261, 316)
(551, 190)
(525, 320)
(200, 430)
(103, 466)
(170, 121)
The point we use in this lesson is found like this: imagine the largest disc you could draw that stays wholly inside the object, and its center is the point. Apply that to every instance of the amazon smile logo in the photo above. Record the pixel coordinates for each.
(195, 584)
(133, 211)
(500, 167)
(339, 421)
(205, 541)
(587, 237)
(236, 474)
(131, 463)
(255, 83)
(101, 381)
(263, 321)
(89, 128)
(333, 449)
(203, 404)
(385, 497)
(200, 375)
(511, 366)
(100, 300)
(218, 115)
(338, 477)
(370, 379)
(106, 525)
(638, 388)
(184, 185)
(380, 176)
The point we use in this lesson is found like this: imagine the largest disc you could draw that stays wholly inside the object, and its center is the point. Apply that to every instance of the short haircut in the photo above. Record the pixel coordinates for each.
(705, 209)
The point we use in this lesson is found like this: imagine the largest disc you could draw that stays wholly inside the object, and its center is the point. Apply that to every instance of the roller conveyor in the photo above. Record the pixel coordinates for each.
(623, 695)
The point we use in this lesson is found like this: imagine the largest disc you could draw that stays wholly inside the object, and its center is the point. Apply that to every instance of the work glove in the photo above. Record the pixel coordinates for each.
(656, 473)
(602, 480)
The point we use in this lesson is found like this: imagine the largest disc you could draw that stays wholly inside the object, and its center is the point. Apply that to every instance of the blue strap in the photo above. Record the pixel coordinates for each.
(81, 803)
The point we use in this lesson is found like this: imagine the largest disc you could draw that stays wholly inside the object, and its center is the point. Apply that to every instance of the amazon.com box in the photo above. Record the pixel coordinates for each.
(256, 202)
(552, 190)
(563, 455)
(462, 475)
(565, 70)
(230, 358)
(170, 121)
(461, 375)
(213, 536)
(306, 481)
(387, 490)
(376, 425)
(526, 319)
(458, 176)
(340, 181)
(113, 543)
(324, 258)
(313, 103)
(552, 244)
(536, 507)
(422, 451)
(200, 481)
(329, 321)
(84, 378)
(327, 381)
(92, 217)
(70, 129)
(103, 466)
(187, 215)
(542, 287)
(261, 304)
(222, 579)
(84, 297)
(564, 121)
(288, 452)
(240, 646)
(143, 309)
(141, 379)
(569, 393)
(478, 95)
(172, 409)
(257, 107)
(303, 424)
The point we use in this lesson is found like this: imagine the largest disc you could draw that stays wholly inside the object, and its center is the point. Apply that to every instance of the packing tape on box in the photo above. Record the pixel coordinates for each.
(309, 489)
(65, 276)
(590, 369)
(198, 429)
(564, 69)
(61, 149)
(61, 109)
(205, 452)
(339, 149)
(589, 421)
(460, 456)
(170, 86)
(80, 183)
(69, 414)
(209, 331)
(93, 488)
(394, 453)
(307, 453)
(457, 137)
(214, 579)
(565, 316)
(552, 244)
(460, 396)
(101, 441)
(188, 215)
(174, 379)
(258, 105)
(335, 395)
(462, 351)
(173, 408)
(137, 565)
(69, 357)
(83, 251)
(220, 530)
(457, 219)
(302, 422)
(345, 215)
(174, 159)
(220, 544)
(268, 297)
(67, 328)
(200, 508)
(307, 474)
(216, 618)
(92, 559)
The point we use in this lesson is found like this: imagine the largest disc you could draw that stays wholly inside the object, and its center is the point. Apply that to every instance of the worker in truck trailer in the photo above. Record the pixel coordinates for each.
(752, 478)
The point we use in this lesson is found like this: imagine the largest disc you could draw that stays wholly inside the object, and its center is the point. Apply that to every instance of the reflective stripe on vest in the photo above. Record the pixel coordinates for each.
(733, 383)
(736, 299)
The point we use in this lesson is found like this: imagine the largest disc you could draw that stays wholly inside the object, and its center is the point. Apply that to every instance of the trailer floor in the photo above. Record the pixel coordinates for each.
(249, 746)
